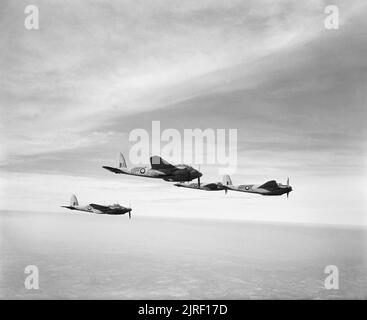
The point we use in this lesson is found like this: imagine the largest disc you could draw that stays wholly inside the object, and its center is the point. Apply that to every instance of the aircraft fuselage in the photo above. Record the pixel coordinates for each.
(184, 173)
(203, 186)
(251, 188)
(93, 208)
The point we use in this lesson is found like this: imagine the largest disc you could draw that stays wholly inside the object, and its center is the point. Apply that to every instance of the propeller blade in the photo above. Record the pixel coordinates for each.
(287, 194)
(225, 191)
(130, 214)
(199, 182)
(288, 182)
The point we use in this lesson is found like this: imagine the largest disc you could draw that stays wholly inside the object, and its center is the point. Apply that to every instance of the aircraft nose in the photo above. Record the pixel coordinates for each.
(195, 173)
(198, 173)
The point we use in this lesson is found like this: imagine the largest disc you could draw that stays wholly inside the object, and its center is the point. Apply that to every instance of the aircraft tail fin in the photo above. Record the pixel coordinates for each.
(73, 201)
(122, 162)
(227, 180)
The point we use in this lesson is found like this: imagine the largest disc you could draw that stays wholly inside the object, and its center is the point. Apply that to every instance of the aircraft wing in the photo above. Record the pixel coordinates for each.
(212, 186)
(158, 163)
(99, 207)
(272, 184)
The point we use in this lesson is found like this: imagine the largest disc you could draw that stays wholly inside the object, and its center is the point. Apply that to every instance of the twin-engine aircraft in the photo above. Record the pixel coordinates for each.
(270, 188)
(160, 169)
(114, 209)
(212, 186)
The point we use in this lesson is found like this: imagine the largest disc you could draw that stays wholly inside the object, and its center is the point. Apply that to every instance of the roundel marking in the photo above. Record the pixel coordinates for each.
(247, 188)
(142, 170)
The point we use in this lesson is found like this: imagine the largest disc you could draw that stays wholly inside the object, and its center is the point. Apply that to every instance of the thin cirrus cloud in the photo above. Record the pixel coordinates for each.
(72, 91)
(92, 61)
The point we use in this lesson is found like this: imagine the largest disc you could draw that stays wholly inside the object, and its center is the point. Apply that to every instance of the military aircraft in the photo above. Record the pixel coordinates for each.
(160, 169)
(213, 186)
(270, 188)
(114, 209)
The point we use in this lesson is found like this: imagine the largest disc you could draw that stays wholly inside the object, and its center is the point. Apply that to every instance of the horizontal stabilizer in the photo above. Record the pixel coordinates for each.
(114, 170)
(272, 184)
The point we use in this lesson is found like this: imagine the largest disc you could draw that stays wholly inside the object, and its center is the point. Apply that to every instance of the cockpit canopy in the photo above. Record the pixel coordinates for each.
(182, 166)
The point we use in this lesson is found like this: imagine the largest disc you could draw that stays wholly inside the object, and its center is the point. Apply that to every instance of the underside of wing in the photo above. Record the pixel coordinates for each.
(272, 184)
(158, 163)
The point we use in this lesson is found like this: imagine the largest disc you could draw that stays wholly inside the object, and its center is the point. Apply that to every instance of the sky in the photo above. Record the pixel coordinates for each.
(72, 91)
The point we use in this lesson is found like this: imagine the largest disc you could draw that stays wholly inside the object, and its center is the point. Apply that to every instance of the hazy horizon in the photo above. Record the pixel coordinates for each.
(210, 219)
(83, 256)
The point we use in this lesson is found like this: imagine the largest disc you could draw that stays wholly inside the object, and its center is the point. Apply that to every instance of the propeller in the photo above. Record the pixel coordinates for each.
(288, 187)
(199, 179)
(130, 210)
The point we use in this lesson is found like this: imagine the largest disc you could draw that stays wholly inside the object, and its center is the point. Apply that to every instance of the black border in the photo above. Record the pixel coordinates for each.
(237, 309)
